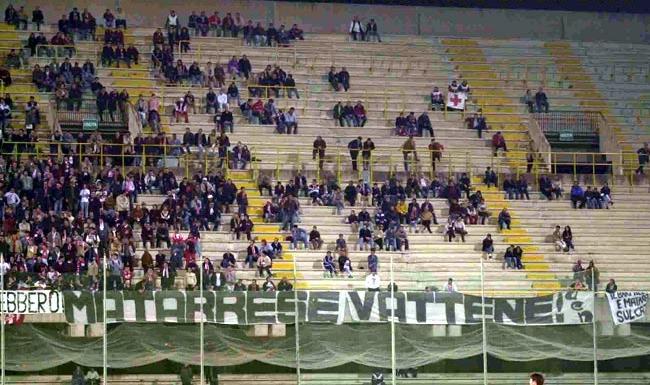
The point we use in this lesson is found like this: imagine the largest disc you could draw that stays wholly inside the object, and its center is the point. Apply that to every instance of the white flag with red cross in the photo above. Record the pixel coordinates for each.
(456, 100)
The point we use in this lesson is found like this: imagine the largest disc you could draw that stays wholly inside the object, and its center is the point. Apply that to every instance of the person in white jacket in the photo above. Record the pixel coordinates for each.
(373, 282)
(356, 29)
(222, 100)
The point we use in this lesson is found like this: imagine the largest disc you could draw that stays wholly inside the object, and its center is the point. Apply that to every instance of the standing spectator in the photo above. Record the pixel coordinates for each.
(409, 151)
(644, 157)
(372, 31)
(488, 246)
(186, 375)
(424, 124)
(333, 79)
(37, 17)
(120, 18)
(319, 150)
(373, 282)
(354, 147)
(541, 102)
(435, 151)
(356, 29)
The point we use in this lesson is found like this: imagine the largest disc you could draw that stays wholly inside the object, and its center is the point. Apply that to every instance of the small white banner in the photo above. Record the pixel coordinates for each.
(31, 301)
(456, 100)
(627, 306)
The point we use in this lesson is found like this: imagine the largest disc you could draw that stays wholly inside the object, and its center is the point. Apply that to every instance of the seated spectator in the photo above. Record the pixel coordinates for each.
(611, 287)
(264, 264)
(510, 187)
(180, 110)
(488, 246)
(343, 78)
(315, 240)
(252, 254)
(567, 237)
(225, 120)
(211, 104)
(606, 196)
(291, 121)
(577, 196)
(450, 286)
(521, 187)
(365, 240)
(437, 100)
(233, 94)
(299, 235)
(593, 200)
(498, 142)
(359, 115)
(12, 60)
(296, 33)
(477, 122)
(558, 241)
(541, 102)
(328, 265)
(529, 101)
(504, 219)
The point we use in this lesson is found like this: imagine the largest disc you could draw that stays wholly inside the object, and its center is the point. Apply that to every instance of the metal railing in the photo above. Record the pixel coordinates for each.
(574, 122)
(591, 168)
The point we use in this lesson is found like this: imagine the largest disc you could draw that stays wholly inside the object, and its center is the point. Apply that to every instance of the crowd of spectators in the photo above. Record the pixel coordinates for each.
(215, 25)
(411, 126)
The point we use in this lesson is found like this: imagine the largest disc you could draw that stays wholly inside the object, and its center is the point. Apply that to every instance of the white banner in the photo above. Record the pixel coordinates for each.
(456, 100)
(627, 306)
(31, 301)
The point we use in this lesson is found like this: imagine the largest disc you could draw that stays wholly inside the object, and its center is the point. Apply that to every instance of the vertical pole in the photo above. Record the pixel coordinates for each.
(105, 331)
(201, 335)
(296, 317)
(2, 320)
(594, 330)
(593, 169)
(392, 324)
(485, 371)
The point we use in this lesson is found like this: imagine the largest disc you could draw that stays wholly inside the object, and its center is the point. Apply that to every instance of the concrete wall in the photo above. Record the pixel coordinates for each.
(328, 17)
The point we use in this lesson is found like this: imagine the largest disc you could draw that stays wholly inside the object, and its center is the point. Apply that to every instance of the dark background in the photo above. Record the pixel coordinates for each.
(642, 6)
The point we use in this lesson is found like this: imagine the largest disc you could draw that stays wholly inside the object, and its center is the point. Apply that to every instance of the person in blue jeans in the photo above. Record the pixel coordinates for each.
(299, 235)
(504, 219)
(373, 261)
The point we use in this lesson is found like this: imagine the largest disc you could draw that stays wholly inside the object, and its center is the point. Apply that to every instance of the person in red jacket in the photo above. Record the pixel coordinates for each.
(498, 142)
